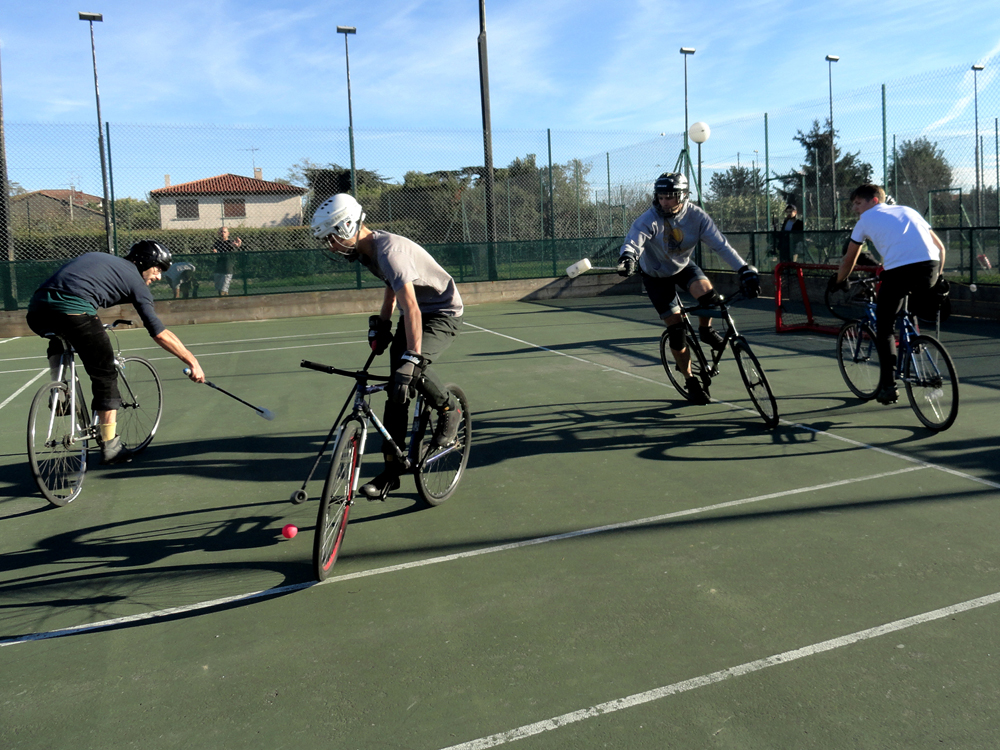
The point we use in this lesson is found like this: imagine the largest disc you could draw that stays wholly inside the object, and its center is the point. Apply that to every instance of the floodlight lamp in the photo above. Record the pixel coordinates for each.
(832, 58)
(977, 67)
(91, 17)
(687, 50)
(347, 29)
(699, 132)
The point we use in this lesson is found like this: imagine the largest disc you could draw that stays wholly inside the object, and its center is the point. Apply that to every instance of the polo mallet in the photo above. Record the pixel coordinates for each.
(582, 266)
(266, 413)
(300, 495)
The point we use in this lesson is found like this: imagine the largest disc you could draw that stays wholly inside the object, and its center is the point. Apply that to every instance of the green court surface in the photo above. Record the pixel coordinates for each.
(617, 569)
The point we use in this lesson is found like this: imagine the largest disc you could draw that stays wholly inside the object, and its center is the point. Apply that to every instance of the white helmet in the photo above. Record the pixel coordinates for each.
(340, 216)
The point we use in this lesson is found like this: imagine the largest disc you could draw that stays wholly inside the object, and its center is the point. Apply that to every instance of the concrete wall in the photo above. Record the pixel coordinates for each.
(261, 211)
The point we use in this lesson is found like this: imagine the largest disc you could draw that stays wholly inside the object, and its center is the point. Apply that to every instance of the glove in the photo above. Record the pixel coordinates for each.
(750, 281)
(711, 298)
(833, 285)
(401, 385)
(628, 264)
(379, 333)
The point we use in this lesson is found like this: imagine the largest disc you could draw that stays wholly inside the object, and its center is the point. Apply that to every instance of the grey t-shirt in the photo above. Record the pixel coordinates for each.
(399, 261)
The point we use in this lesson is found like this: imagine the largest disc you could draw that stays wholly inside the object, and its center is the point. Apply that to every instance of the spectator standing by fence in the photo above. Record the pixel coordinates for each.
(224, 266)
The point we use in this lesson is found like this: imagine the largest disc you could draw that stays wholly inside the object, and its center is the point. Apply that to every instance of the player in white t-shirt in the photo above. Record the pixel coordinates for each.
(912, 259)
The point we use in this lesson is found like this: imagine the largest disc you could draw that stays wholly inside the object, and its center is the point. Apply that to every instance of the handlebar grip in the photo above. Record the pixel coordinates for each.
(121, 321)
(329, 370)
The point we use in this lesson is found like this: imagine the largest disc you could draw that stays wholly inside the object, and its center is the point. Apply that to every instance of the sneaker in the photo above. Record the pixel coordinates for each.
(696, 392)
(887, 394)
(710, 337)
(113, 452)
(382, 485)
(449, 420)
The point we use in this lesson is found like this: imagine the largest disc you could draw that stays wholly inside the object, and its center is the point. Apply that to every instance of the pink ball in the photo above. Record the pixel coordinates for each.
(289, 531)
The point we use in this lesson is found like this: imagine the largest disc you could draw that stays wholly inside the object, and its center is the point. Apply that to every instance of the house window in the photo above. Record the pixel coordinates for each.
(234, 208)
(187, 208)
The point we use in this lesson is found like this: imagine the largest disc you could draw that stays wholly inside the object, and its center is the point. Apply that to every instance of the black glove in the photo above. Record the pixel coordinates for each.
(401, 385)
(711, 298)
(750, 281)
(833, 285)
(379, 333)
(628, 264)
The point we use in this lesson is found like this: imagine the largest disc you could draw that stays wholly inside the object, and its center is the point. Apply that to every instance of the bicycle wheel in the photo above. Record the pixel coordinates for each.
(142, 403)
(335, 503)
(858, 359)
(931, 383)
(57, 443)
(439, 470)
(756, 382)
(699, 366)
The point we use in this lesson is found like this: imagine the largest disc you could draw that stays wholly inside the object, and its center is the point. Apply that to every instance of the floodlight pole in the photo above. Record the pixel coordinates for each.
(834, 213)
(345, 30)
(979, 192)
(685, 51)
(90, 18)
(484, 88)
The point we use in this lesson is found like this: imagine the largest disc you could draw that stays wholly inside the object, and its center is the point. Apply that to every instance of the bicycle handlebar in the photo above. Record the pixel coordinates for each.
(719, 307)
(119, 322)
(331, 370)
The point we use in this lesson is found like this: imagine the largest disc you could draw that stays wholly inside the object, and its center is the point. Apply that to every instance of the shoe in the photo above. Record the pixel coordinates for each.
(448, 423)
(696, 392)
(887, 394)
(710, 337)
(113, 452)
(382, 485)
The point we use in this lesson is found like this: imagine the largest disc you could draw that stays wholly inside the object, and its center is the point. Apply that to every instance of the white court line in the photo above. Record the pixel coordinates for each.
(12, 338)
(23, 388)
(441, 559)
(620, 704)
(797, 425)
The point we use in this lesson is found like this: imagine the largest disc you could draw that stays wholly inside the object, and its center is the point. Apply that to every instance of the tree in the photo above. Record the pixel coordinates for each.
(918, 166)
(324, 182)
(735, 182)
(14, 188)
(135, 214)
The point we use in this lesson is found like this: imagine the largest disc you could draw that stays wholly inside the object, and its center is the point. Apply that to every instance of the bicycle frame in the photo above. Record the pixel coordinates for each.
(906, 329)
(68, 361)
(728, 337)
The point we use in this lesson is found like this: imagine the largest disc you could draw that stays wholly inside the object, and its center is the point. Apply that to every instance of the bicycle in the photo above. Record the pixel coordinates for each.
(437, 470)
(749, 366)
(61, 427)
(922, 363)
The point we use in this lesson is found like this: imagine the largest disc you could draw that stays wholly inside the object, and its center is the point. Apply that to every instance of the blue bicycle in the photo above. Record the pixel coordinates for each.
(922, 363)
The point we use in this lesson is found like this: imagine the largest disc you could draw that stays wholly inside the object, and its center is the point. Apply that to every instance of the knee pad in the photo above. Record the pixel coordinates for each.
(677, 336)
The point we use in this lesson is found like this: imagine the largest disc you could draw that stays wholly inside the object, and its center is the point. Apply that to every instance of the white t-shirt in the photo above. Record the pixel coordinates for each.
(899, 234)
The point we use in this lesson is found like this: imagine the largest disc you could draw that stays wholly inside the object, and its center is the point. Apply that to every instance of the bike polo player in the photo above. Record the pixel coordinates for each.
(430, 316)
(66, 304)
(912, 262)
(659, 245)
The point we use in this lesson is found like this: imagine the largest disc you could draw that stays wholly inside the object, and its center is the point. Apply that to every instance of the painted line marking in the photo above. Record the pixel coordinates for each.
(638, 699)
(442, 559)
(23, 388)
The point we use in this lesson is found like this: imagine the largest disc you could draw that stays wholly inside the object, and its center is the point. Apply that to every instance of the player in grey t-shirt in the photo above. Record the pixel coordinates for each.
(430, 316)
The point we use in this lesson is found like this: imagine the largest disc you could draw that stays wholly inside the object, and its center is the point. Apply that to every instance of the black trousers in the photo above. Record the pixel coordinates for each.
(894, 287)
(87, 336)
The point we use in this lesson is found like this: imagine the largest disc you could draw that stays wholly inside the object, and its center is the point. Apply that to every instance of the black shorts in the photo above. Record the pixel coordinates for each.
(663, 290)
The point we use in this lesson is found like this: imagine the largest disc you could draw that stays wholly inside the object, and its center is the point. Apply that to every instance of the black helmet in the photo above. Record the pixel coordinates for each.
(146, 254)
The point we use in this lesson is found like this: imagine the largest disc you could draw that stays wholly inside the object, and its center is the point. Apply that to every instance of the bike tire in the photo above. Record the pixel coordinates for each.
(337, 498)
(699, 365)
(756, 383)
(58, 463)
(142, 403)
(858, 359)
(439, 470)
(931, 383)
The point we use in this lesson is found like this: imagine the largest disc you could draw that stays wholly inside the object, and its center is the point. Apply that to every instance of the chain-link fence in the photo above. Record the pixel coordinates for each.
(179, 185)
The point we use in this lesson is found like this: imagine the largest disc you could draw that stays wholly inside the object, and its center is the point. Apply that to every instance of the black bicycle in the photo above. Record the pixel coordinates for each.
(705, 368)
(436, 469)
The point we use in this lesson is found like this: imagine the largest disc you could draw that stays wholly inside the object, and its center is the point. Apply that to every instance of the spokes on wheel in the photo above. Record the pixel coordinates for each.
(756, 382)
(440, 469)
(858, 359)
(931, 383)
(335, 504)
(142, 403)
(699, 366)
(57, 444)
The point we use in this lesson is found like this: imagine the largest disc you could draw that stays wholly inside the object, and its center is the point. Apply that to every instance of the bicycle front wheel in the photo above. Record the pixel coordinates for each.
(439, 470)
(335, 503)
(858, 359)
(931, 383)
(756, 382)
(699, 366)
(142, 403)
(57, 443)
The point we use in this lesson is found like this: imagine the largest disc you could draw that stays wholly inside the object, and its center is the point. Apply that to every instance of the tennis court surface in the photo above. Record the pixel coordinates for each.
(617, 569)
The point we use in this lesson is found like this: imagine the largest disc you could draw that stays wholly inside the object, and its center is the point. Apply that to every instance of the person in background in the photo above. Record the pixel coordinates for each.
(224, 266)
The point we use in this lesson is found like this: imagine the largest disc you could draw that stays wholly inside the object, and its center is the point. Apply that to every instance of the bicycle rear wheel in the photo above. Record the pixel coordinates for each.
(338, 495)
(439, 470)
(142, 403)
(57, 443)
(858, 359)
(756, 382)
(931, 383)
(699, 366)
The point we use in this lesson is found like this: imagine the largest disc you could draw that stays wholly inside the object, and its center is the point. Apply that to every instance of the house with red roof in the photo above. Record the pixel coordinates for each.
(228, 200)
(56, 210)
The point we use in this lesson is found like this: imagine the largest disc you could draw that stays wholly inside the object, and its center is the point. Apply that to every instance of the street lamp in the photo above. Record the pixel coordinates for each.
(685, 51)
(345, 30)
(90, 18)
(834, 213)
(699, 133)
(979, 197)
